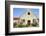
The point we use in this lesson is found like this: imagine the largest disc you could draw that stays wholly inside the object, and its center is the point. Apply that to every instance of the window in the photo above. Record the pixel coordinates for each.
(23, 20)
(38, 20)
(33, 20)
(28, 13)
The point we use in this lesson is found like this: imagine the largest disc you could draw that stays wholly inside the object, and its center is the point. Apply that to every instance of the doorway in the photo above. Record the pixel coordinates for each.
(28, 22)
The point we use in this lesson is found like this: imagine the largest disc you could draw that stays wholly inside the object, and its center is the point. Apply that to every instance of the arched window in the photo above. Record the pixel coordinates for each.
(34, 20)
(23, 20)
(38, 20)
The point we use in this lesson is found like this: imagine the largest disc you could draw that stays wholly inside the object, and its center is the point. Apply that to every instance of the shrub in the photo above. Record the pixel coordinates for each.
(27, 25)
(34, 24)
(21, 25)
(14, 24)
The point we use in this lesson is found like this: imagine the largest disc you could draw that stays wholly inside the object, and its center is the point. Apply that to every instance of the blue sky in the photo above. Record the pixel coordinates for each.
(20, 11)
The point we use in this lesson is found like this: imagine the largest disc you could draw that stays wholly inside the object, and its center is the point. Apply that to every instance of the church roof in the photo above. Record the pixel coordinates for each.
(30, 12)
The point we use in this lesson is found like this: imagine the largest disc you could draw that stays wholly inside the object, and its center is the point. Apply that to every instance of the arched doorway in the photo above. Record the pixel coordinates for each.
(28, 22)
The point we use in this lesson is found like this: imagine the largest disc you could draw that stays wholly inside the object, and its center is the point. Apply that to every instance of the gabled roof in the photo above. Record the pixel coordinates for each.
(30, 12)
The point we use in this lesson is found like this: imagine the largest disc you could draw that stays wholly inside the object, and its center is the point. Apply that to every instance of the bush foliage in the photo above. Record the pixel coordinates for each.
(27, 25)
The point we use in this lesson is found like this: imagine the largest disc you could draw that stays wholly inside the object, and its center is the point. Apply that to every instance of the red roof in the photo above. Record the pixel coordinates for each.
(16, 18)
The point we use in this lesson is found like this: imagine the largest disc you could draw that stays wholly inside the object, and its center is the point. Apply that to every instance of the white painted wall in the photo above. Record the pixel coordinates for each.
(28, 17)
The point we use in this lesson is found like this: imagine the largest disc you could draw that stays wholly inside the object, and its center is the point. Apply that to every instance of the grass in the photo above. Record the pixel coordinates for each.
(27, 25)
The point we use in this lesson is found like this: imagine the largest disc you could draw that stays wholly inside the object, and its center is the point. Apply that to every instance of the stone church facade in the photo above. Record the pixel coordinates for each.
(26, 18)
